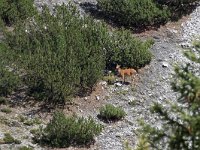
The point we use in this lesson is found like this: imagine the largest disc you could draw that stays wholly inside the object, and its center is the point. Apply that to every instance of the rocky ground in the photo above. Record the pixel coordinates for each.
(152, 85)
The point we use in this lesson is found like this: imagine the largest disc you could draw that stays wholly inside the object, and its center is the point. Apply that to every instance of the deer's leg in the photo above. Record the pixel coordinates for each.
(123, 79)
(132, 78)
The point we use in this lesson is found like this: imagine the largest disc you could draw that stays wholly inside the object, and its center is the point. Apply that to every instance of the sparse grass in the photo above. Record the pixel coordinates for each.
(25, 148)
(34, 131)
(21, 118)
(122, 92)
(8, 139)
(25, 137)
(6, 110)
(3, 101)
(196, 43)
(110, 79)
(127, 146)
(31, 122)
(143, 143)
(107, 97)
(132, 102)
(111, 113)
(37, 121)
(133, 88)
(4, 120)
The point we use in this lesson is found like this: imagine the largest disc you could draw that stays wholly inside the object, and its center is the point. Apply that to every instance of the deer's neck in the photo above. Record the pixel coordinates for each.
(119, 70)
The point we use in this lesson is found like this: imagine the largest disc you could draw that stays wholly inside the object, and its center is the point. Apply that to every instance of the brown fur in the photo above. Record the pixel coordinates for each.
(125, 72)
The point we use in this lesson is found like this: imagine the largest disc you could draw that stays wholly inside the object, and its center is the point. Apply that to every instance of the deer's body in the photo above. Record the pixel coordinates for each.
(125, 72)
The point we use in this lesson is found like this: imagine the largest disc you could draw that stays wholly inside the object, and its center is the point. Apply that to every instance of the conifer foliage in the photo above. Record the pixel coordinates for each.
(12, 11)
(64, 54)
(181, 122)
(138, 13)
(60, 54)
(63, 131)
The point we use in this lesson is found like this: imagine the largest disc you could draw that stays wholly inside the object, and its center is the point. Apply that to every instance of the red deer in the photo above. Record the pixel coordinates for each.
(125, 72)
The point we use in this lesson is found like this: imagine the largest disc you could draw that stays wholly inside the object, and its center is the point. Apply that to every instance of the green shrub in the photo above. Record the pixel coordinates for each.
(138, 13)
(176, 3)
(64, 54)
(57, 65)
(178, 8)
(8, 81)
(127, 146)
(6, 110)
(12, 11)
(110, 79)
(8, 139)
(128, 51)
(63, 131)
(110, 112)
(143, 143)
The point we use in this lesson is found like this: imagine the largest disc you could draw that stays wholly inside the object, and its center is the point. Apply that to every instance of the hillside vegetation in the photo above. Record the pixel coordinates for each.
(145, 13)
(56, 55)
(63, 54)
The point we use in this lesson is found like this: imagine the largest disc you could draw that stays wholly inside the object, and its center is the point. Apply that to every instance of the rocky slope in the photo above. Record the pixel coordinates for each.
(152, 85)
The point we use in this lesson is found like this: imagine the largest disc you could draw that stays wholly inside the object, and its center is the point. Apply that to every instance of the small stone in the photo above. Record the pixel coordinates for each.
(118, 84)
(97, 97)
(156, 37)
(170, 56)
(173, 31)
(85, 98)
(103, 83)
(1, 135)
(150, 94)
(130, 97)
(118, 135)
(165, 64)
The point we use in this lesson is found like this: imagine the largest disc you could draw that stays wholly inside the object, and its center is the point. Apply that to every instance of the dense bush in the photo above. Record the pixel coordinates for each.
(144, 13)
(64, 131)
(128, 51)
(177, 3)
(8, 81)
(12, 11)
(64, 54)
(138, 13)
(178, 8)
(111, 113)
